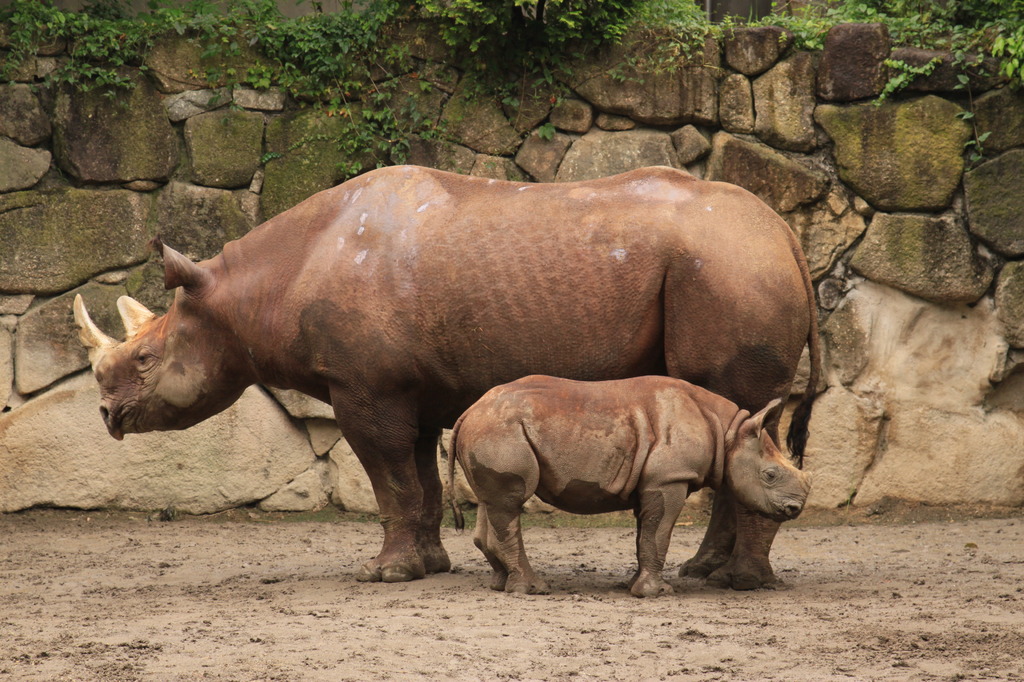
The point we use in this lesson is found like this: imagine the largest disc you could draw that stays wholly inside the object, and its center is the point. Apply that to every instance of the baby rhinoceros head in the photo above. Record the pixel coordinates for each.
(760, 476)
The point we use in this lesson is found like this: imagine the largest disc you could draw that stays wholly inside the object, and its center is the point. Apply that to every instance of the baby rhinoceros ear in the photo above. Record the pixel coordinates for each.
(752, 426)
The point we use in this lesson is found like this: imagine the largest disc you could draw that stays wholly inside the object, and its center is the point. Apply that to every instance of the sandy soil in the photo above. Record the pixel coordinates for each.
(929, 594)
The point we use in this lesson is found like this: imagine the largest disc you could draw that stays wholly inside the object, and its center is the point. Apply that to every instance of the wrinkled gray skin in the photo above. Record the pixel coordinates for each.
(401, 296)
(590, 447)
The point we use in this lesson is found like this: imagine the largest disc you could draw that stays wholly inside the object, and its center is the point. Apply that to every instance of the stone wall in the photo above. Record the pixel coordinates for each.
(918, 259)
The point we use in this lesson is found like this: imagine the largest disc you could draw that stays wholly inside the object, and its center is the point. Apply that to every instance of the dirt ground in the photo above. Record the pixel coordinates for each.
(891, 593)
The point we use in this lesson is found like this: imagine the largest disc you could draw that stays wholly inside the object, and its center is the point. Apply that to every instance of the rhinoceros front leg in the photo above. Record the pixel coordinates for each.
(748, 568)
(384, 437)
(655, 518)
(734, 552)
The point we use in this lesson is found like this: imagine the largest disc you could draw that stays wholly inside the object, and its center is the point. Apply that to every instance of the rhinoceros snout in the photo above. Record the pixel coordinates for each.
(792, 509)
(113, 425)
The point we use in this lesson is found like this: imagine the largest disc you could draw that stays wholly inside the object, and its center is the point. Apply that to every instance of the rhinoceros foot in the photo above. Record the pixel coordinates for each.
(743, 578)
(435, 559)
(526, 584)
(649, 585)
(395, 572)
(703, 565)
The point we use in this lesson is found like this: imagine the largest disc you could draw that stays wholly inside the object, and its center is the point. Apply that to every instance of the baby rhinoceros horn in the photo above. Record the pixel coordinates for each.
(89, 334)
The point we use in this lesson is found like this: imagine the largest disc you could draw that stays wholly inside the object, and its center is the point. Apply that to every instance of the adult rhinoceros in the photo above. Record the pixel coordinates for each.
(401, 296)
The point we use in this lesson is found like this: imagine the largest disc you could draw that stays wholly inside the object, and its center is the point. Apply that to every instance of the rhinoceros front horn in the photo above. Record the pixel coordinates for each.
(133, 314)
(89, 334)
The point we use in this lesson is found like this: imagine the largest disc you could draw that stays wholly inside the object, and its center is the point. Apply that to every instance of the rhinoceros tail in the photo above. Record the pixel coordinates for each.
(460, 522)
(796, 439)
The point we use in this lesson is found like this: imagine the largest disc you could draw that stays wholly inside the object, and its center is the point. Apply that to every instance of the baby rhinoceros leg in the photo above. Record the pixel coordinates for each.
(656, 515)
(504, 473)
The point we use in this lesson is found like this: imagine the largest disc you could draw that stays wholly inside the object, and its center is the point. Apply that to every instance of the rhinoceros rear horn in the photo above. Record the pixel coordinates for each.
(133, 315)
(89, 334)
(179, 271)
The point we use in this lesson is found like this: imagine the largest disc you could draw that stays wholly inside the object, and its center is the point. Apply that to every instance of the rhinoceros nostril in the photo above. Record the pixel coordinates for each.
(793, 508)
(104, 413)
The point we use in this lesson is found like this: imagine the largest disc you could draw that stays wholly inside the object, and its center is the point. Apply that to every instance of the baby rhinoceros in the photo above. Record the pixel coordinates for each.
(590, 447)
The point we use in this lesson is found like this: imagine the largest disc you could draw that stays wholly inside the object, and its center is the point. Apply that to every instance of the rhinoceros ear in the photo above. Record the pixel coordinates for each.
(89, 334)
(765, 414)
(133, 315)
(179, 271)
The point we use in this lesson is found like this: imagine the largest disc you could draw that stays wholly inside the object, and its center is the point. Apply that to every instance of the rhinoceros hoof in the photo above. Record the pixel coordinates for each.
(371, 572)
(435, 560)
(741, 580)
(524, 586)
(702, 567)
(651, 586)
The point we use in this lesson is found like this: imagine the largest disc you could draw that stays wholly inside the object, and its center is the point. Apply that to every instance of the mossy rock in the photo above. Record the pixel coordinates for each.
(307, 146)
(480, 124)
(995, 210)
(927, 256)
(177, 63)
(53, 241)
(225, 147)
(98, 138)
(198, 221)
(905, 156)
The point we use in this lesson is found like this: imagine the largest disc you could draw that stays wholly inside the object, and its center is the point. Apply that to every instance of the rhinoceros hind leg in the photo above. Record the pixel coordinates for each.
(428, 534)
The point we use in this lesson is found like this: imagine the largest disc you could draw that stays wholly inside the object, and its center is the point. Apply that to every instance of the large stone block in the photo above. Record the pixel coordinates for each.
(302, 406)
(441, 155)
(996, 213)
(1000, 113)
(21, 167)
(48, 348)
(853, 62)
(307, 145)
(690, 144)
(600, 153)
(480, 124)
(736, 104)
(907, 350)
(303, 493)
(541, 158)
(121, 139)
(905, 156)
(928, 256)
(826, 230)
(945, 76)
(184, 62)
(198, 221)
(44, 254)
(572, 115)
(843, 441)
(784, 104)
(1009, 302)
(752, 50)
(21, 117)
(6, 366)
(54, 451)
(614, 84)
(185, 105)
(497, 168)
(779, 181)
(225, 147)
(686, 94)
(948, 457)
(350, 486)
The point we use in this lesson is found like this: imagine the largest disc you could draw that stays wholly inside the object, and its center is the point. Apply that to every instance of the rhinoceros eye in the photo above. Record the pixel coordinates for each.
(771, 474)
(144, 359)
